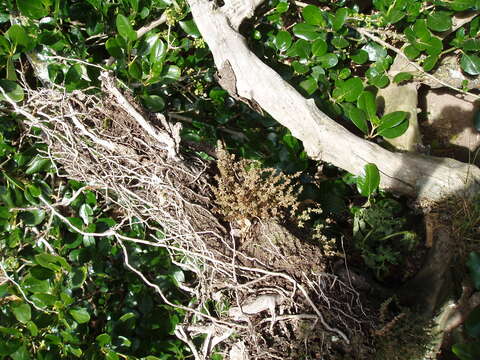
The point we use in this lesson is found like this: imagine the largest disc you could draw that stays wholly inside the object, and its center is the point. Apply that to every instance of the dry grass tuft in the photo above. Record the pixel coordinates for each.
(246, 191)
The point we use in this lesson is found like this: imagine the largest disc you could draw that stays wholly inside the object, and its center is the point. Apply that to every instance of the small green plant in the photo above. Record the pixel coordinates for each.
(380, 235)
(471, 350)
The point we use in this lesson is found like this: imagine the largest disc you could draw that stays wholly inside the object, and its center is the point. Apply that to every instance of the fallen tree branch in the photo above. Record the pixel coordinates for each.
(246, 77)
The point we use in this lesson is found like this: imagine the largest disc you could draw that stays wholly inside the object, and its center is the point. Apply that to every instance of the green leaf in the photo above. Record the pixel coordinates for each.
(469, 351)
(300, 48)
(18, 35)
(319, 47)
(366, 102)
(35, 286)
(339, 19)
(309, 85)
(300, 68)
(127, 316)
(470, 64)
(190, 28)
(359, 118)
(411, 52)
(172, 72)
(80, 315)
(353, 89)
(430, 62)
(37, 164)
(433, 46)
(22, 312)
(154, 103)
(393, 124)
(421, 30)
(73, 77)
(439, 21)
(328, 60)
(12, 89)
(369, 181)
(401, 77)
(86, 213)
(360, 57)
(461, 5)
(124, 28)
(306, 31)
(103, 339)
(32, 327)
(471, 45)
(33, 217)
(473, 265)
(22, 353)
(472, 324)
(34, 9)
(313, 15)
(340, 42)
(283, 40)
(52, 262)
(114, 48)
(135, 70)
(375, 51)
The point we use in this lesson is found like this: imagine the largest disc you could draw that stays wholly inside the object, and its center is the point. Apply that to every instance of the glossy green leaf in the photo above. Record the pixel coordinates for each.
(114, 48)
(86, 213)
(190, 28)
(306, 31)
(340, 42)
(402, 76)
(359, 118)
(52, 262)
(473, 265)
(300, 68)
(430, 62)
(339, 19)
(313, 15)
(103, 339)
(17, 35)
(80, 315)
(366, 102)
(470, 64)
(319, 47)
(32, 327)
(393, 124)
(360, 57)
(172, 72)
(411, 52)
(12, 89)
(309, 85)
(33, 217)
(135, 70)
(375, 51)
(369, 181)
(73, 77)
(154, 103)
(328, 60)
(37, 164)
(21, 353)
(461, 5)
(124, 28)
(34, 9)
(421, 30)
(35, 286)
(433, 46)
(471, 45)
(22, 312)
(439, 21)
(283, 40)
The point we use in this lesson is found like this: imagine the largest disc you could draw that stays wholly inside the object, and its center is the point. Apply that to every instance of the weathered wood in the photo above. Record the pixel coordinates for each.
(420, 176)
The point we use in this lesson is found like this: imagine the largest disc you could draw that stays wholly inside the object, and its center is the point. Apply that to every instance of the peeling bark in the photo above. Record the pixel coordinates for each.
(427, 178)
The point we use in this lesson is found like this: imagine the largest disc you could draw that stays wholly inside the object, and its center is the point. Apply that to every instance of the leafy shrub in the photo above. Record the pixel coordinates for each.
(380, 235)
